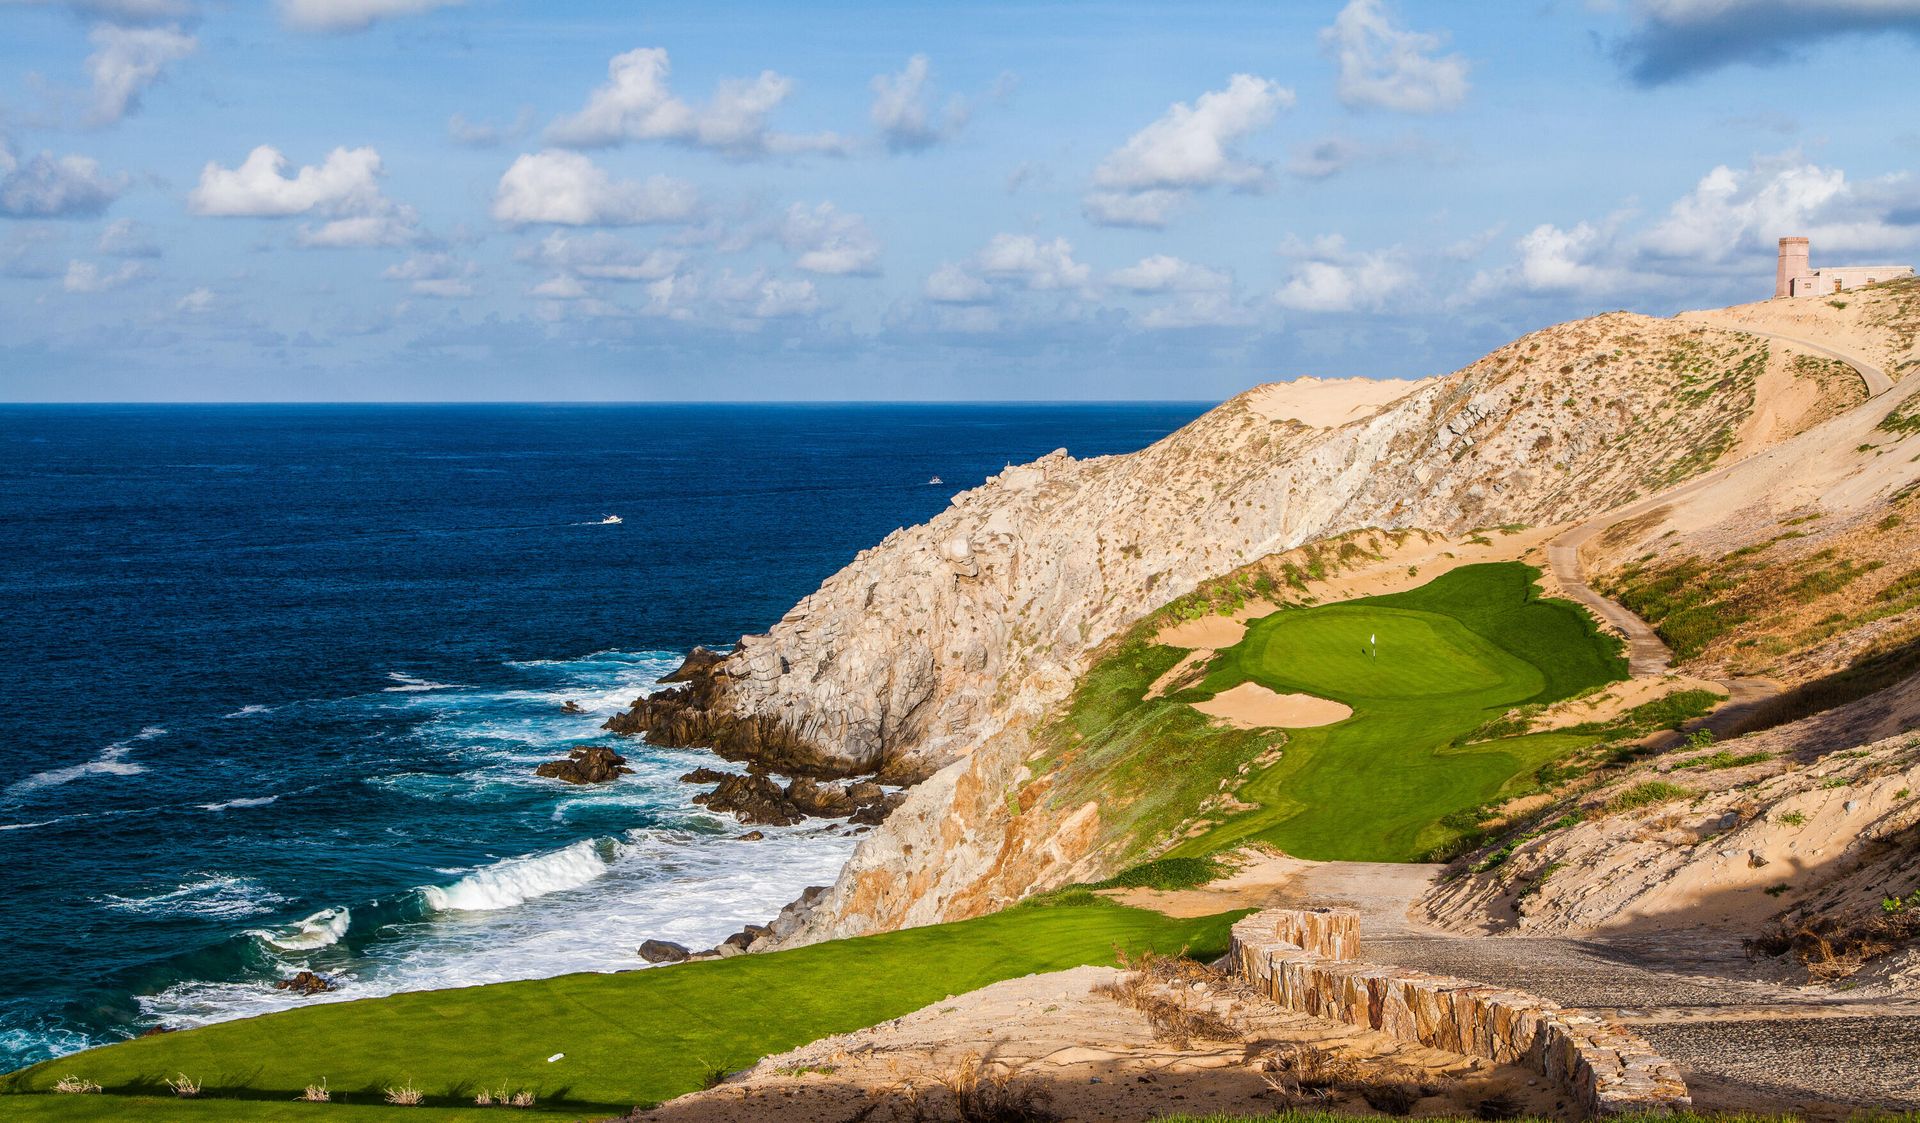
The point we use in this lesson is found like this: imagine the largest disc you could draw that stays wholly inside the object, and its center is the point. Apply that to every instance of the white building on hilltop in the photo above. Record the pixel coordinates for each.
(1795, 277)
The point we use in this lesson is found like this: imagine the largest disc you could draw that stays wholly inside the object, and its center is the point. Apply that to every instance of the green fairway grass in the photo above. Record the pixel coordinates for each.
(1452, 655)
(629, 1038)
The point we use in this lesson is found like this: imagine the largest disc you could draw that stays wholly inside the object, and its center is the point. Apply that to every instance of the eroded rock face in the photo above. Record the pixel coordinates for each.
(931, 655)
(589, 764)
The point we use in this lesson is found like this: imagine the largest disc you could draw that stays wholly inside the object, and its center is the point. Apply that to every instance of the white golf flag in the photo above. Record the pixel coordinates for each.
(1374, 640)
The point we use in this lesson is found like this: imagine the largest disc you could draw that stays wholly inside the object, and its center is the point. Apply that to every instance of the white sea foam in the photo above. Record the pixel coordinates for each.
(404, 683)
(316, 931)
(517, 880)
(112, 761)
(248, 711)
(215, 895)
(682, 885)
(259, 801)
(27, 826)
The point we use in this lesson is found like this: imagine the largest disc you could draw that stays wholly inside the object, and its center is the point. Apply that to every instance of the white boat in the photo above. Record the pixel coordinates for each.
(934, 480)
(610, 520)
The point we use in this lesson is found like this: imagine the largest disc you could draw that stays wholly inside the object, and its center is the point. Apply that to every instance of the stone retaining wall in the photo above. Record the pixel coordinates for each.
(1308, 960)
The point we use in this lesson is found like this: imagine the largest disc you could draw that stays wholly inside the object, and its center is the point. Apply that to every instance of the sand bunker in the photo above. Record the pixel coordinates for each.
(1328, 402)
(1252, 706)
(1209, 632)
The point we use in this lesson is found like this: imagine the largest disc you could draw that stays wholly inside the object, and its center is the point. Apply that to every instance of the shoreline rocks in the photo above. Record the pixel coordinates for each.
(664, 951)
(588, 764)
(696, 715)
(306, 984)
(757, 798)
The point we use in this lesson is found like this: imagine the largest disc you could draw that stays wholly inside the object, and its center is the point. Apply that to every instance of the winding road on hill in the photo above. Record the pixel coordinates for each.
(1647, 654)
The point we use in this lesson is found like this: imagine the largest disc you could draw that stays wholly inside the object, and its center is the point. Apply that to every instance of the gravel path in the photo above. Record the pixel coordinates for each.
(1743, 1042)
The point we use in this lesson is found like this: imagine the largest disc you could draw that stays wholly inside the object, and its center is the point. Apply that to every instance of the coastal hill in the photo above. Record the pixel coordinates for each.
(939, 655)
(1587, 671)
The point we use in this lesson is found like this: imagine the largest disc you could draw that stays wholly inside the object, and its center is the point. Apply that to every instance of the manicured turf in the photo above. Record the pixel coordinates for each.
(629, 1038)
(1453, 655)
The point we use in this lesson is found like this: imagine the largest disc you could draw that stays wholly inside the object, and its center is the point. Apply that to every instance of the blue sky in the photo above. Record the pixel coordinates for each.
(491, 200)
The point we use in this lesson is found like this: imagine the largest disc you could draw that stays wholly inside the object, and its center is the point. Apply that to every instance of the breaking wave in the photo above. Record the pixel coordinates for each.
(112, 761)
(517, 880)
(317, 931)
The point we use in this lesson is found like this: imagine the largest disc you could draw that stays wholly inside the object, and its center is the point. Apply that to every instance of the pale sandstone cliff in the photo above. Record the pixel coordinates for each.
(935, 652)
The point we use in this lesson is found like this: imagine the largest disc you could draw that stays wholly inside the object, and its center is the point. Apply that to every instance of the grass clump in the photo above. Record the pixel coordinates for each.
(1645, 794)
(1727, 758)
(1167, 874)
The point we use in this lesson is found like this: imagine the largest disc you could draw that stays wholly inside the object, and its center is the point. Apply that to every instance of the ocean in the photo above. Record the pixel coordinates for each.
(276, 678)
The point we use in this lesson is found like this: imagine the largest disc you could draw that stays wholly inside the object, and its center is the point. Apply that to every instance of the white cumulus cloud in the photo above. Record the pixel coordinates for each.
(567, 189)
(343, 189)
(901, 112)
(1188, 147)
(638, 103)
(1333, 279)
(126, 61)
(827, 240)
(435, 274)
(335, 16)
(1031, 263)
(49, 186)
(1165, 273)
(123, 237)
(1386, 66)
(86, 277)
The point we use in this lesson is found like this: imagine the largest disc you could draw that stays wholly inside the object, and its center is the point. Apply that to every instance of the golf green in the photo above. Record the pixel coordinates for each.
(1421, 670)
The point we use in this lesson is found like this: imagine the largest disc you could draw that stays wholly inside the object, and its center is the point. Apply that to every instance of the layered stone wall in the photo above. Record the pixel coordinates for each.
(1308, 960)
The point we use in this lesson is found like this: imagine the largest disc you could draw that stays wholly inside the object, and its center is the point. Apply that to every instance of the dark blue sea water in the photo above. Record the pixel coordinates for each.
(275, 679)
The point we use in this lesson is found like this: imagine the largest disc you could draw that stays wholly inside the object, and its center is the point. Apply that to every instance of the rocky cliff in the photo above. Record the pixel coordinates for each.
(930, 657)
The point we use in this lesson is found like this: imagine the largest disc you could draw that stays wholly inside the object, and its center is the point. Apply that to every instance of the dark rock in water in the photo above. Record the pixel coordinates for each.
(589, 764)
(306, 983)
(866, 791)
(572, 707)
(664, 951)
(704, 776)
(155, 1031)
(699, 663)
(875, 812)
(752, 836)
(753, 798)
(828, 801)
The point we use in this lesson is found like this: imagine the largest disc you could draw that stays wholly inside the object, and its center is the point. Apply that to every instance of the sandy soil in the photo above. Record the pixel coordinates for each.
(1261, 878)
(1207, 633)
(1252, 706)
(1089, 1055)
(1328, 402)
(1617, 699)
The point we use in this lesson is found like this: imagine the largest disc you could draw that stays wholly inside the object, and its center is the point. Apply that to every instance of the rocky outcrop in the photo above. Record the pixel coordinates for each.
(306, 984)
(697, 714)
(756, 797)
(588, 764)
(1307, 960)
(663, 951)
